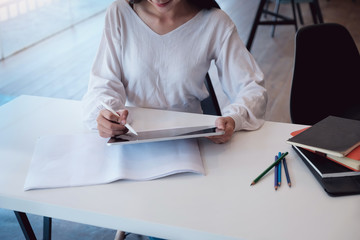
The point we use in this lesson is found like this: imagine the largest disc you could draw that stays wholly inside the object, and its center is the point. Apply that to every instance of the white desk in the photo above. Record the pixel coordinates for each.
(220, 205)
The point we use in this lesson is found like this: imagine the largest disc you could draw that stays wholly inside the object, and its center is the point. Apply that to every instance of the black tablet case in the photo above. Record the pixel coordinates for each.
(348, 184)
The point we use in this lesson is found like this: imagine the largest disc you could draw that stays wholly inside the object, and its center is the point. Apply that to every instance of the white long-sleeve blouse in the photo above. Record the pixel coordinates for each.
(135, 66)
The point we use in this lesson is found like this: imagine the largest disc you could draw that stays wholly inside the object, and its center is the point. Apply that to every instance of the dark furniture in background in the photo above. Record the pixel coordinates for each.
(210, 105)
(326, 75)
(313, 6)
(279, 19)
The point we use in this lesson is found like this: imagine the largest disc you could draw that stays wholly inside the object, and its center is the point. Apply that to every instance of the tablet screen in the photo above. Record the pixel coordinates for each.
(163, 135)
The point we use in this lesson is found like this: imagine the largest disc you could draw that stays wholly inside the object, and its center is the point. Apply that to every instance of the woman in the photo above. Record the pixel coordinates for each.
(156, 53)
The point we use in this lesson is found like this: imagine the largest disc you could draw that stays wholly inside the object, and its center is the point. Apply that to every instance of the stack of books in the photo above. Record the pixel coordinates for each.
(331, 150)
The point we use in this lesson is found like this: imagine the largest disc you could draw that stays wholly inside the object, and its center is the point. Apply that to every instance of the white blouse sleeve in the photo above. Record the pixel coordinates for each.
(105, 76)
(242, 81)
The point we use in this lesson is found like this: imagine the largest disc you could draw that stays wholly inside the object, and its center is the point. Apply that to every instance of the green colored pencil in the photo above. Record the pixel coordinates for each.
(268, 169)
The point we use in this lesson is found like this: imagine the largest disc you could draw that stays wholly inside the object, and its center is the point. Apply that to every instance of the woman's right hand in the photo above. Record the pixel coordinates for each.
(110, 125)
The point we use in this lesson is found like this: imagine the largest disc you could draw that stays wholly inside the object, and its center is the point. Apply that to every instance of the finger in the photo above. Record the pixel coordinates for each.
(109, 115)
(108, 128)
(109, 135)
(123, 116)
(215, 140)
(220, 139)
(104, 132)
(225, 124)
(111, 126)
(220, 123)
(104, 121)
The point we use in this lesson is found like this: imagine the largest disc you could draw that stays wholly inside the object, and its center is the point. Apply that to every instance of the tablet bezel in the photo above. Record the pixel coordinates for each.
(165, 135)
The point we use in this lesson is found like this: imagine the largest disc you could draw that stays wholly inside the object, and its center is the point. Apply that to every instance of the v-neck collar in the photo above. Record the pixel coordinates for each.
(137, 17)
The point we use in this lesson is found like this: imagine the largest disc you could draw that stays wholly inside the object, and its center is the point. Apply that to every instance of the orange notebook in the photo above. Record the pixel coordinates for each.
(351, 160)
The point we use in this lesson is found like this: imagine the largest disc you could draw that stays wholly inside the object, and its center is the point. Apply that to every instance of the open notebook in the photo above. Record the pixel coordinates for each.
(86, 159)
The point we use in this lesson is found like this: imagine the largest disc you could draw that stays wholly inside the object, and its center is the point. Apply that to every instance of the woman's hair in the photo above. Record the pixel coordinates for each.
(201, 4)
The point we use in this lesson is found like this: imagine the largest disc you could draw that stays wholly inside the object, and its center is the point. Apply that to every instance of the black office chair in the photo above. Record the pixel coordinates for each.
(210, 105)
(326, 74)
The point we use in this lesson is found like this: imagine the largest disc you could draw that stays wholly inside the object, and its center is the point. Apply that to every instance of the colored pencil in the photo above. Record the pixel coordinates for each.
(287, 172)
(269, 168)
(276, 174)
(279, 171)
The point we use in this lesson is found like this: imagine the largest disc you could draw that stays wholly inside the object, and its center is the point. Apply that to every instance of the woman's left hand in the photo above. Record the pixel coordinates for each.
(226, 124)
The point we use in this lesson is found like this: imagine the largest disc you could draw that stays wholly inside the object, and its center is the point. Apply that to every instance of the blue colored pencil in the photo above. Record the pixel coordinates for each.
(279, 171)
(276, 175)
(286, 172)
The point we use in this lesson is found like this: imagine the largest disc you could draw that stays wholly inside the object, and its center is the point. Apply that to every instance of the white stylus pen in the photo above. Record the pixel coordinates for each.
(126, 125)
